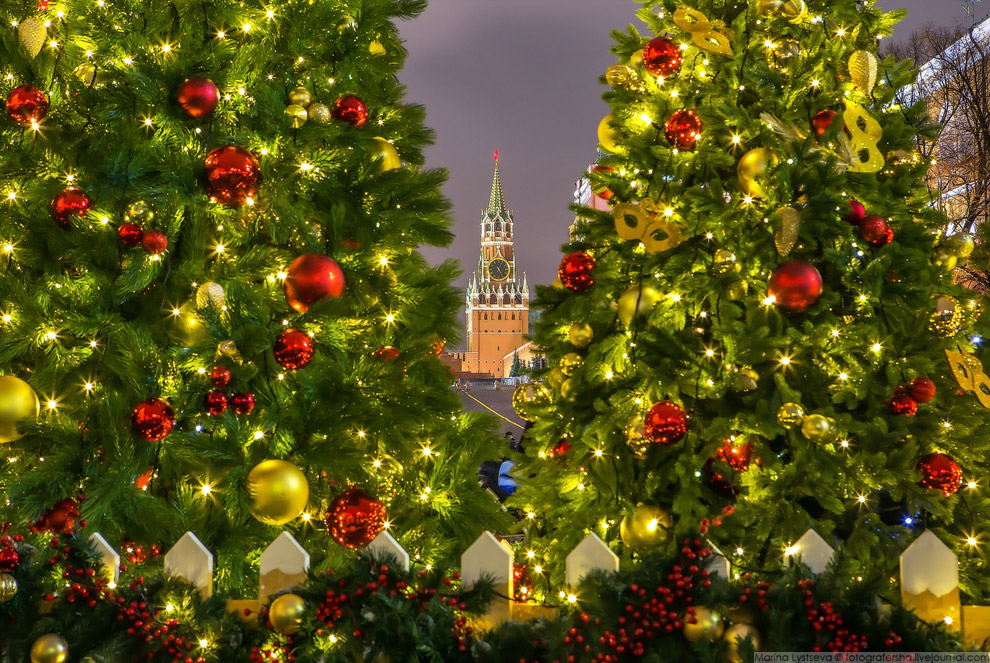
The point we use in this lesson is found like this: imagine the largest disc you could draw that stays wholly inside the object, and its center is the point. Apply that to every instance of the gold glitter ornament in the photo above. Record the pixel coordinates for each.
(300, 96)
(863, 71)
(725, 262)
(524, 395)
(570, 363)
(318, 113)
(8, 587)
(32, 34)
(277, 491)
(86, 73)
(960, 245)
(818, 428)
(376, 48)
(139, 212)
(737, 290)
(581, 335)
(210, 294)
(786, 228)
(555, 378)
(617, 75)
(947, 319)
(748, 378)
(346, 24)
(636, 438)
(790, 415)
(297, 115)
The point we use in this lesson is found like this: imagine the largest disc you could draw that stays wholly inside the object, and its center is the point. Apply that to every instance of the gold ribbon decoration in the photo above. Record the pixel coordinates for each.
(649, 225)
(863, 70)
(711, 36)
(969, 375)
(861, 143)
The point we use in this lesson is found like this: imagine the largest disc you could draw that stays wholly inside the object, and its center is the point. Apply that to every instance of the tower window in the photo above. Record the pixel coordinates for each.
(498, 226)
(486, 316)
(519, 299)
(499, 316)
(507, 300)
(513, 316)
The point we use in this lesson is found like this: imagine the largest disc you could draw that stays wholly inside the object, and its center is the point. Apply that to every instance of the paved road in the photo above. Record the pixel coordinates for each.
(499, 400)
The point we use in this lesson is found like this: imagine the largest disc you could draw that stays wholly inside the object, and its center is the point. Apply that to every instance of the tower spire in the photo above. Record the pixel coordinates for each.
(496, 204)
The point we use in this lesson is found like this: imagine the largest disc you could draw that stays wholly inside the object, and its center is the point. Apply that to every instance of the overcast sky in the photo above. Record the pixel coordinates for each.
(521, 77)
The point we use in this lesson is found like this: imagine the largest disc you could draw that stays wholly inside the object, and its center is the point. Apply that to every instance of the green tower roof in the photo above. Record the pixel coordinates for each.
(496, 204)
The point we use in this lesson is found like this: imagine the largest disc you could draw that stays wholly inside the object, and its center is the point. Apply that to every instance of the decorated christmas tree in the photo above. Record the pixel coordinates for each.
(214, 315)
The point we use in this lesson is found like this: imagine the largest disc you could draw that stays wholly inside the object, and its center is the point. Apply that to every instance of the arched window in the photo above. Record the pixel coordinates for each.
(486, 316)
(519, 299)
(488, 229)
(507, 300)
(499, 316)
(513, 316)
(498, 226)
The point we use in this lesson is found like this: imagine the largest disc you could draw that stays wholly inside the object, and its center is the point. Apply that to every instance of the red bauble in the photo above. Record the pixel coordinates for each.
(721, 468)
(662, 57)
(242, 404)
(59, 519)
(27, 104)
(560, 449)
(575, 271)
(903, 404)
(198, 96)
(386, 353)
(130, 234)
(355, 518)
(601, 190)
(152, 419)
(215, 402)
(350, 109)
(666, 423)
(940, 472)
(293, 349)
(683, 129)
(9, 559)
(795, 286)
(154, 242)
(922, 389)
(232, 175)
(220, 377)
(822, 121)
(69, 203)
(856, 212)
(437, 347)
(874, 230)
(310, 278)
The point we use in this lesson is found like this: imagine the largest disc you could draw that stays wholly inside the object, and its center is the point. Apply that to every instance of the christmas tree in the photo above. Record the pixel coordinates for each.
(215, 317)
(762, 333)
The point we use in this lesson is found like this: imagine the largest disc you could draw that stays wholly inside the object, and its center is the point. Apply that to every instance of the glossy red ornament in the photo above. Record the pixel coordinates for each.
(795, 286)
(152, 419)
(198, 96)
(9, 559)
(575, 271)
(560, 449)
(598, 189)
(822, 121)
(220, 376)
(27, 104)
(310, 278)
(903, 404)
(232, 175)
(293, 349)
(242, 404)
(720, 469)
(130, 234)
(683, 129)
(940, 472)
(215, 402)
(666, 423)
(355, 518)
(856, 212)
(59, 519)
(921, 389)
(69, 203)
(662, 57)
(386, 353)
(350, 109)
(874, 230)
(154, 242)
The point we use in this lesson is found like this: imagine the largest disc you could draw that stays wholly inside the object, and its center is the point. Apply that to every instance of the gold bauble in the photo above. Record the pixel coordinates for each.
(636, 301)
(646, 527)
(210, 294)
(725, 262)
(300, 96)
(751, 166)
(769, 7)
(318, 113)
(737, 290)
(788, 49)
(636, 58)
(944, 259)
(557, 283)
(277, 490)
(636, 438)
(297, 115)
(710, 625)
(346, 24)
(960, 245)
(748, 378)
(534, 392)
(617, 75)
(581, 335)
(863, 70)
(570, 363)
(229, 350)
(50, 648)
(734, 635)
(609, 136)
(18, 402)
(790, 415)
(555, 378)
(86, 73)
(386, 152)
(818, 428)
(286, 613)
(567, 390)
(8, 587)
(795, 10)
(32, 34)
(376, 48)
(947, 319)
(786, 227)
(139, 212)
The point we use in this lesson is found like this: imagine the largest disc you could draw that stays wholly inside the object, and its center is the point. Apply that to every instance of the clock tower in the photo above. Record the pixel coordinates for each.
(497, 303)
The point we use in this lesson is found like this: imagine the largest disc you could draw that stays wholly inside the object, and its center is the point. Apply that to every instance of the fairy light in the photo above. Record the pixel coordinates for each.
(204, 643)
(383, 261)
(376, 463)
(598, 453)
(861, 499)
(841, 32)
(739, 551)
(971, 485)
(844, 444)
(971, 541)
(94, 344)
(219, 248)
(221, 35)
(790, 550)
(389, 318)
(835, 333)
(259, 434)
(876, 347)
(736, 139)
(246, 27)
(169, 607)
(51, 336)
(361, 433)
(206, 490)
(843, 376)
(785, 361)
(52, 405)
(531, 515)
(306, 517)
(427, 452)
(89, 386)
(709, 352)
(270, 13)
(537, 569)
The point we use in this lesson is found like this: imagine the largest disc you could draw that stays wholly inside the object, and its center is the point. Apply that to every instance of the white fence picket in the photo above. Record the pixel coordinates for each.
(191, 561)
(590, 555)
(284, 564)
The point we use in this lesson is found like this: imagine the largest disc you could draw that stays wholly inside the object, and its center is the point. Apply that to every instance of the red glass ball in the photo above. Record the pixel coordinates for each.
(922, 389)
(874, 230)
(215, 402)
(9, 559)
(737, 456)
(220, 376)
(59, 519)
(575, 271)
(721, 468)
(130, 234)
(683, 129)
(293, 349)
(355, 518)
(27, 104)
(662, 57)
(598, 189)
(386, 353)
(795, 286)
(154, 242)
(242, 404)
(822, 121)
(350, 109)
(856, 212)
(560, 449)
(69, 203)
(310, 278)
(903, 404)
(232, 175)
(940, 472)
(198, 96)
(152, 419)
(666, 423)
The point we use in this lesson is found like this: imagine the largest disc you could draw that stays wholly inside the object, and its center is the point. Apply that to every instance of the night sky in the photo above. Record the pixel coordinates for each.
(521, 77)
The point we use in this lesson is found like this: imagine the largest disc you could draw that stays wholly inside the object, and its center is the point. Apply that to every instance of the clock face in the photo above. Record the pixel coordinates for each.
(498, 270)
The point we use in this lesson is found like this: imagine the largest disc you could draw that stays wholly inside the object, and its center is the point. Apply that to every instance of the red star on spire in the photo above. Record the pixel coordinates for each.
(496, 155)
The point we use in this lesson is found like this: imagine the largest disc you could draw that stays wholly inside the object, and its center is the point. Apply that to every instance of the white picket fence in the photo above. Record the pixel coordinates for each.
(929, 573)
